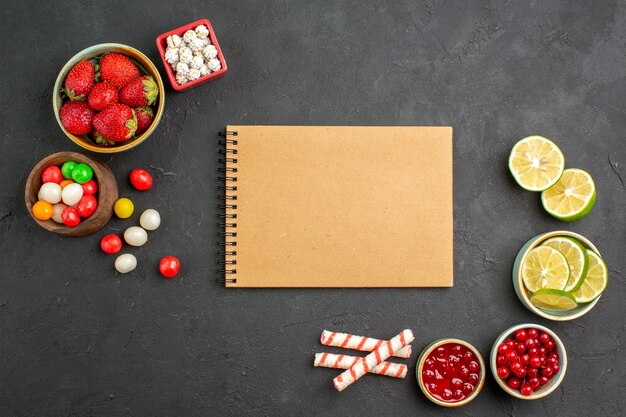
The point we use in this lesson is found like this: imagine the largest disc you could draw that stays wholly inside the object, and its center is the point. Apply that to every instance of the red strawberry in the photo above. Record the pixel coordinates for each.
(144, 118)
(100, 140)
(117, 69)
(139, 92)
(79, 80)
(102, 95)
(117, 122)
(76, 117)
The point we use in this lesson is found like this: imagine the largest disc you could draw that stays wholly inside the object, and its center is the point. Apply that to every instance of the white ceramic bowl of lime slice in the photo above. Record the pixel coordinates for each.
(524, 295)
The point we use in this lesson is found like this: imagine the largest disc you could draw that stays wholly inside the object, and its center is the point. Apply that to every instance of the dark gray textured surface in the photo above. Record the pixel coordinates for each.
(77, 339)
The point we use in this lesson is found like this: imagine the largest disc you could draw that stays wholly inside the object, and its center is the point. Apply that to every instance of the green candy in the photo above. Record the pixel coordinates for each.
(82, 173)
(67, 169)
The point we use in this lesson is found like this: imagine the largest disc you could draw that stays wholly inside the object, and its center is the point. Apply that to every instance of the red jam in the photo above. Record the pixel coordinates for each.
(451, 372)
(528, 360)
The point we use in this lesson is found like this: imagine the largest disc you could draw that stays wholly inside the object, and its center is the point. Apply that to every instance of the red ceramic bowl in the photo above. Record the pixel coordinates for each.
(161, 42)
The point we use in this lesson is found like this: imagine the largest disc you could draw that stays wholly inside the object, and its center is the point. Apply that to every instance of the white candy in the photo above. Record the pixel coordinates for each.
(50, 192)
(214, 64)
(185, 55)
(194, 74)
(125, 263)
(181, 78)
(174, 41)
(189, 35)
(196, 44)
(135, 236)
(57, 209)
(206, 41)
(72, 194)
(209, 52)
(202, 31)
(182, 69)
(204, 70)
(150, 219)
(171, 55)
(197, 62)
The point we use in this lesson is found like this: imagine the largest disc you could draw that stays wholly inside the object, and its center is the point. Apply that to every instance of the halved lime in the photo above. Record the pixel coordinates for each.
(545, 267)
(536, 163)
(576, 256)
(572, 197)
(596, 280)
(557, 300)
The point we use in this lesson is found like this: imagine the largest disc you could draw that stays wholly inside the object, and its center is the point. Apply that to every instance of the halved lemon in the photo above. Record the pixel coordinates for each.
(572, 197)
(549, 299)
(536, 163)
(595, 282)
(576, 256)
(545, 267)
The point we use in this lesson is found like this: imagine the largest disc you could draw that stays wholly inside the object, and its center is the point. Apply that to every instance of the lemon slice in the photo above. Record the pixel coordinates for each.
(576, 257)
(536, 163)
(556, 300)
(545, 267)
(572, 197)
(596, 280)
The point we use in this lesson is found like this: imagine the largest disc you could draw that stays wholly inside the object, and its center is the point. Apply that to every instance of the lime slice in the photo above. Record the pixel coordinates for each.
(536, 163)
(545, 267)
(576, 257)
(572, 197)
(556, 300)
(596, 280)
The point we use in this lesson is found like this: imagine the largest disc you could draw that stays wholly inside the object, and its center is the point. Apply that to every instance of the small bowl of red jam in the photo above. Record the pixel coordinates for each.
(450, 372)
(528, 361)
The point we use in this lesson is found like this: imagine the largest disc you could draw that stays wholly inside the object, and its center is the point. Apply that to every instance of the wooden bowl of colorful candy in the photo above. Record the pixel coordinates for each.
(71, 194)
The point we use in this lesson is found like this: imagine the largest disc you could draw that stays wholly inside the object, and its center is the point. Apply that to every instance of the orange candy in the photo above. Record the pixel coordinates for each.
(42, 210)
(65, 183)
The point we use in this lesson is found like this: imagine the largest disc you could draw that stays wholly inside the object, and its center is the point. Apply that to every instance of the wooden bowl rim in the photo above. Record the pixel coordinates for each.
(150, 68)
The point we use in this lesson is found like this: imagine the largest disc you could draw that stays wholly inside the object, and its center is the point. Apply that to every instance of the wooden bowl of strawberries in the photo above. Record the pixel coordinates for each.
(108, 98)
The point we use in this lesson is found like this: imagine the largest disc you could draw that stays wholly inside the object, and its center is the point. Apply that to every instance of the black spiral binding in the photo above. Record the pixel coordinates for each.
(228, 221)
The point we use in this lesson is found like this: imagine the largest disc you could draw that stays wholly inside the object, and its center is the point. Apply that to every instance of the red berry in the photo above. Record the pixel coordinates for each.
(533, 382)
(102, 95)
(144, 118)
(142, 91)
(516, 367)
(526, 390)
(117, 69)
(446, 395)
(556, 367)
(117, 122)
(543, 380)
(529, 343)
(544, 337)
(501, 360)
(111, 244)
(503, 372)
(456, 349)
(465, 372)
(70, 216)
(524, 358)
(76, 117)
(513, 383)
(169, 266)
(547, 372)
(457, 383)
(550, 345)
(511, 355)
(554, 355)
(52, 174)
(90, 187)
(468, 356)
(532, 333)
(503, 348)
(535, 362)
(79, 80)
(458, 394)
(87, 206)
(533, 351)
(532, 372)
(521, 373)
(473, 366)
(468, 388)
(141, 179)
(520, 348)
(542, 351)
(473, 379)
(520, 335)
(511, 343)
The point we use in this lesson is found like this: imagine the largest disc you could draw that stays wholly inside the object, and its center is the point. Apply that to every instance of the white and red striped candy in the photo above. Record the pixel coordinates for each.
(362, 343)
(330, 360)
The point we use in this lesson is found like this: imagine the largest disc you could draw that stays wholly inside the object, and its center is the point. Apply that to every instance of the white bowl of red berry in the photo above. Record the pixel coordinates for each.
(108, 98)
(450, 372)
(528, 361)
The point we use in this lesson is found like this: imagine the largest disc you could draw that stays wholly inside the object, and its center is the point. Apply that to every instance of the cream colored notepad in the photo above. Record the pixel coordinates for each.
(338, 206)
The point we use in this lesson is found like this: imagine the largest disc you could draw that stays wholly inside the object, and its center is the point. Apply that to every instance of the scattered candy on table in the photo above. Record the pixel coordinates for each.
(135, 236)
(169, 266)
(150, 219)
(111, 244)
(141, 179)
(125, 263)
(123, 208)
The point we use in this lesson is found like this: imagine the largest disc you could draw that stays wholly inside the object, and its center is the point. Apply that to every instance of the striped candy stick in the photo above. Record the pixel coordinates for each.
(329, 360)
(362, 343)
(356, 371)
